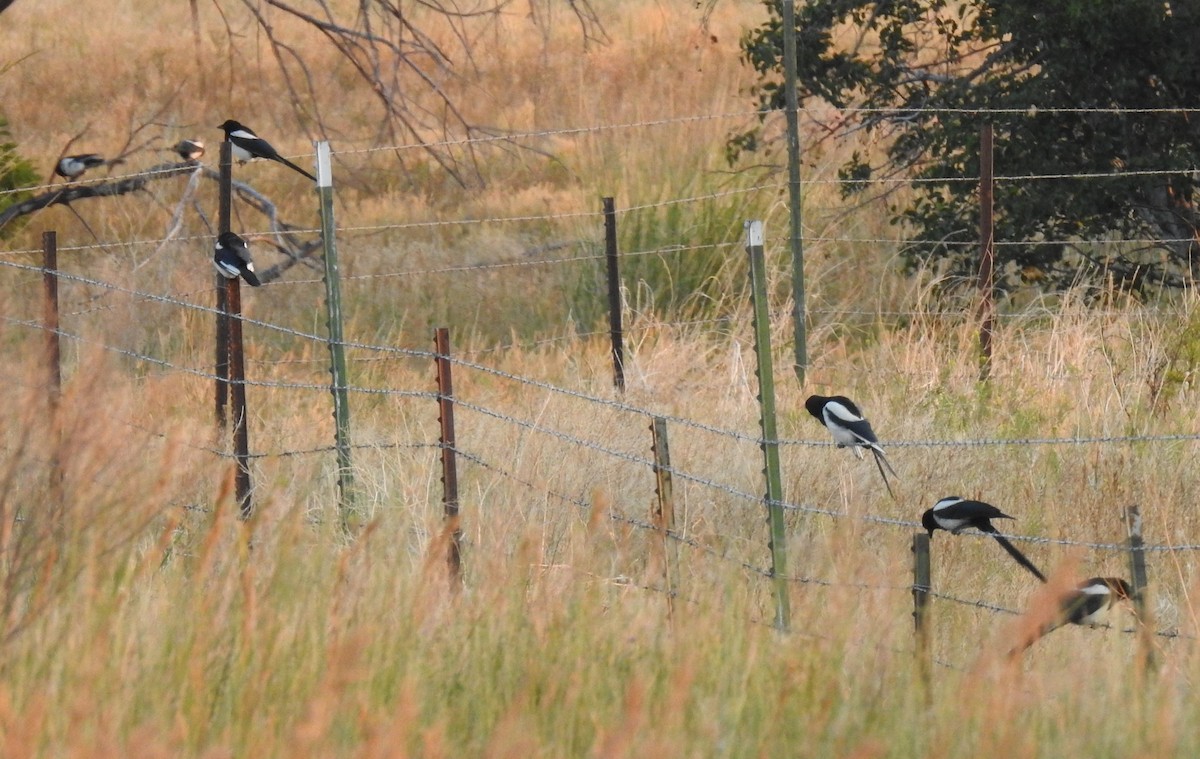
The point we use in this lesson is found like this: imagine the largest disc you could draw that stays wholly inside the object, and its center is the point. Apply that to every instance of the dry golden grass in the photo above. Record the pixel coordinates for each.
(140, 617)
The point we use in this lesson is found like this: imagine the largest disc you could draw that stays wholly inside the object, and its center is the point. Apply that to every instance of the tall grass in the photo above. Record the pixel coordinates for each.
(140, 617)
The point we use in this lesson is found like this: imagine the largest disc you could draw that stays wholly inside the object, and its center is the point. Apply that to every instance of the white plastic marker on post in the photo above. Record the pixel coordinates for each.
(337, 350)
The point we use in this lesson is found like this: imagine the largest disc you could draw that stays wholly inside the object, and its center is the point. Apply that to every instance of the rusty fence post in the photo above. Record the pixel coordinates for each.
(224, 212)
(53, 367)
(445, 395)
(922, 584)
(615, 329)
(237, 387)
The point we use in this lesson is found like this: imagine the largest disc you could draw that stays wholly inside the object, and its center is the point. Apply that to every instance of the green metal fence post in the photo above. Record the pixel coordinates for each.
(337, 348)
(770, 438)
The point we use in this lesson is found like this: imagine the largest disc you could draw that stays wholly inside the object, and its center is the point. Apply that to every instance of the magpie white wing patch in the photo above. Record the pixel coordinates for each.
(840, 413)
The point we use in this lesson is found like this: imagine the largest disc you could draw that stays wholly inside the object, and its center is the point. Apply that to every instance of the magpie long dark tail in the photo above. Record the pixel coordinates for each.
(293, 166)
(881, 461)
(1020, 557)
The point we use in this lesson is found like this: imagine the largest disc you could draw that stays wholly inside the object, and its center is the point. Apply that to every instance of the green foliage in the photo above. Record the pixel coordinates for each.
(1051, 75)
(1179, 369)
(15, 172)
(679, 260)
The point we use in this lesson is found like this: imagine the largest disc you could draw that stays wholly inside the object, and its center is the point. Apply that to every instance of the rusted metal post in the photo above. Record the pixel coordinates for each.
(922, 584)
(1137, 569)
(53, 366)
(987, 258)
(237, 380)
(614, 294)
(664, 511)
(224, 212)
(445, 392)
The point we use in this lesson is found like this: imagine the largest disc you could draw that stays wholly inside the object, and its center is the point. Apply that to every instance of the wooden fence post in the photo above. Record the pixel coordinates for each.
(445, 396)
(664, 510)
(770, 438)
(614, 294)
(337, 348)
(922, 584)
(1137, 567)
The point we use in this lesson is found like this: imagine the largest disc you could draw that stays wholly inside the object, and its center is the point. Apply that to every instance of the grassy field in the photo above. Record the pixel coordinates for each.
(140, 617)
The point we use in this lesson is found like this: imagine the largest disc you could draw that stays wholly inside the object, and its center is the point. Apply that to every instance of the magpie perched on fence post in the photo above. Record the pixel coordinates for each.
(955, 514)
(232, 259)
(247, 145)
(73, 166)
(189, 150)
(849, 429)
(1085, 604)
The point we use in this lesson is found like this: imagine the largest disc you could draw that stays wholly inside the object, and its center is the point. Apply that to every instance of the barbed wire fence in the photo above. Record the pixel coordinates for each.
(633, 460)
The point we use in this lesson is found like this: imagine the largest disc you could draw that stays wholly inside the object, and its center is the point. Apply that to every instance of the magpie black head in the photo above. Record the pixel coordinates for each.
(928, 522)
(232, 126)
(230, 240)
(815, 404)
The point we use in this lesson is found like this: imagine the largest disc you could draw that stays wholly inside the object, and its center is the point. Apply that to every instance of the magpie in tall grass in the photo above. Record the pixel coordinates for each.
(189, 150)
(1090, 601)
(73, 166)
(1087, 603)
(955, 514)
(232, 258)
(247, 145)
(848, 428)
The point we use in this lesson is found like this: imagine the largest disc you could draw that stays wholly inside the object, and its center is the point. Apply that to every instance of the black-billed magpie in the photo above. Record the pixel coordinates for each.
(848, 427)
(189, 150)
(232, 258)
(247, 145)
(1085, 604)
(955, 514)
(1092, 598)
(73, 166)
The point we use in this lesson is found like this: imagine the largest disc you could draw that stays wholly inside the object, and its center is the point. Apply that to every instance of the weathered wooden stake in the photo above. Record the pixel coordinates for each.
(770, 438)
(614, 294)
(449, 460)
(237, 381)
(53, 367)
(224, 212)
(987, 258)
(337, 348)
(922, 583)
(664, 510)
(1137, 568)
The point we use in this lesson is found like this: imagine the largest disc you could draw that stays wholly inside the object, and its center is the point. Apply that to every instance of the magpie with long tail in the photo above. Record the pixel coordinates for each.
(189, 150)
(247, 145)
(1087, 603)
(849, 429)
(73, 166)
(231, 256)
(955, 514)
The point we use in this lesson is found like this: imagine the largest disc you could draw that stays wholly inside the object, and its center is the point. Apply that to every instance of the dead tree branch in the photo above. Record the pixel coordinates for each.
(284, 238)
